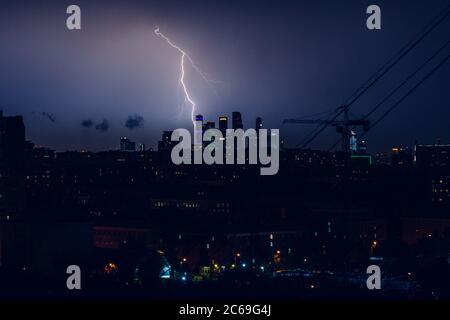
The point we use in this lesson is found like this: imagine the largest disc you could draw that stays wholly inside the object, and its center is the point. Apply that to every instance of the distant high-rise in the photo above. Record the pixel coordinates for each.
(258, 124)
(237, 120)
(198, 129)
(362, 147)
(223, 125)
(382, 158)
(353, 142)
(199, 117)
(142, 147)
(209, 125)
(432, 155)
(12, 133)
(12, 154)
(127, 145)
(401, 157)
(166, 143)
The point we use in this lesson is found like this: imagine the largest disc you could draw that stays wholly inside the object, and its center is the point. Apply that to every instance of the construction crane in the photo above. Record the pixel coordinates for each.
(343, 126)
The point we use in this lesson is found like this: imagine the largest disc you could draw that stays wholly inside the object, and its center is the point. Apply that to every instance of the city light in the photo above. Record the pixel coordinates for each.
(110, 268)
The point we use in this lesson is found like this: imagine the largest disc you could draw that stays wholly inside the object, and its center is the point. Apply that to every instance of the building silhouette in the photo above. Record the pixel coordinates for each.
(258, 124)
(12, 153)
(432, 155)
(237, 120)
(127, 145)
(209, 125)
(401, 157)
(223, 125)
(165, 144)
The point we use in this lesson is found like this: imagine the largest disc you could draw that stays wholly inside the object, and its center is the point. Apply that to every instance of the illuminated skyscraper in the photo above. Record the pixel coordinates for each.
(353, 142)
(199, 117)
(223, 125)
(198, 130)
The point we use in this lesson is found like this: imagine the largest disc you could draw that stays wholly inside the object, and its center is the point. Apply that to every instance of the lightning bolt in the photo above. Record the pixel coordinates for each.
(184, 57)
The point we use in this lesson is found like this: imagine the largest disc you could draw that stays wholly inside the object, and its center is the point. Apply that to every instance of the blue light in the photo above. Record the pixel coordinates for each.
(244, 265)
(183, 278)
(165, 272)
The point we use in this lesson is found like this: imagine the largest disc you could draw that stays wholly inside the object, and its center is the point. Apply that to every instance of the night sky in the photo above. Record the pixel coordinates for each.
(274, 59)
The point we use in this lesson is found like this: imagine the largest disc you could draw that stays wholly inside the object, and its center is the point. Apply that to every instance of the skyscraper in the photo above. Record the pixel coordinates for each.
(432, 155)
(127, 145)
(209, 125)
(353, 144)
(166, 143)
(362, 147)
(12, 154)
(12, 133)
(237, 120)
(223, 125)
(258, 124)
(198, 130)
(401, 157)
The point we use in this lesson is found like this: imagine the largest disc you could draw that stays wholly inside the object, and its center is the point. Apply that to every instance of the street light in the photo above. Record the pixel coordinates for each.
(373, 246)
(237, 255)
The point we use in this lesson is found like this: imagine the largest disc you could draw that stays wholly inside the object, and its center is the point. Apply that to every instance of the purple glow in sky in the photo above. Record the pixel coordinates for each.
(273, 59)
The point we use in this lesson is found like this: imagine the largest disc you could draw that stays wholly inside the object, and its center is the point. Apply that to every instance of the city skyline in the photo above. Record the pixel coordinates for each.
(153, 229)
(271, 60)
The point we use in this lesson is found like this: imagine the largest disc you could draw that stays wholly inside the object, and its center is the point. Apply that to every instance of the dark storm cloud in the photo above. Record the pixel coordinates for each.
(87, 123)
(134, 122)
(102, 126)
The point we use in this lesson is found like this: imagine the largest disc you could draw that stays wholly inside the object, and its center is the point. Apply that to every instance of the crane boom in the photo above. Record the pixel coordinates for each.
(308, 121)
(342, 125)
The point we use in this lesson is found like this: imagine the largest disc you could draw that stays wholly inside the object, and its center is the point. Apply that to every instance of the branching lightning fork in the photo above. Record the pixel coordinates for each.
(184, 56)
